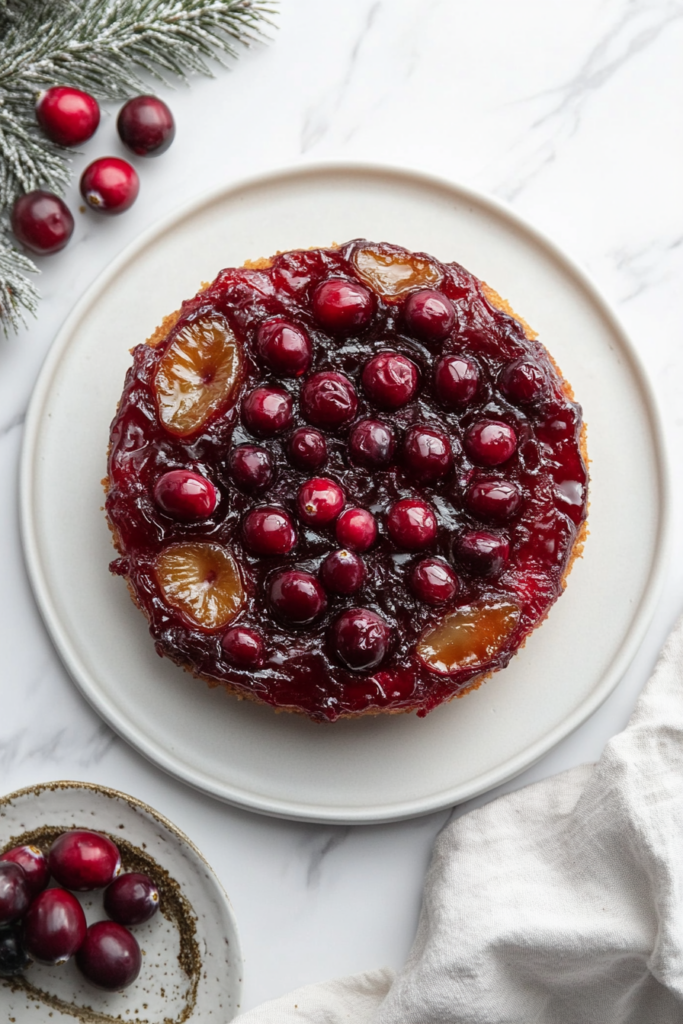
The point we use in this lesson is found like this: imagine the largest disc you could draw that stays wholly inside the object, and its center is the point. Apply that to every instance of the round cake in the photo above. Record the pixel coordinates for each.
(345, 481)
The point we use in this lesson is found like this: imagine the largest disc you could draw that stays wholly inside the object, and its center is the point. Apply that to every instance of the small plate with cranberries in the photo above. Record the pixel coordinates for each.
(108, 912)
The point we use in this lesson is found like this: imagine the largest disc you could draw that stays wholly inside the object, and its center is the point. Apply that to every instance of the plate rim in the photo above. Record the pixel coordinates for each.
(288, 808)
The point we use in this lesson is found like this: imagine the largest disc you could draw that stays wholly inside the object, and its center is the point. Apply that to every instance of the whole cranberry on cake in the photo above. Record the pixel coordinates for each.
(345, 481)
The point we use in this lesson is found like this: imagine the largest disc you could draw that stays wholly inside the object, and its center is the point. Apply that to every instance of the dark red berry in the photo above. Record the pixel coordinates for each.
(523, 381)
(110, 956)
(493, 499)
(83, 860)
(13, 957)
(284, 347)
(268, 531)
(185, 495)
(67, 116)
(341, 306)
(251, 468)
(34, 864)
(267, 411)
(456, 380)
(328, 400)
(427, 453)
(297, 597)
(320, 501)
(146, 126)
(110, 185)
(356, 529)
(429, 315)
(433, 581)
(42, 222)
(490, 442)
(411, 524)
(342, 572)
(307, 448)
(372, 444)
(131, 899)
(361, 639)
(390, 380)
(243, 647)
(15, 892)
(54, 926)
(485, 554)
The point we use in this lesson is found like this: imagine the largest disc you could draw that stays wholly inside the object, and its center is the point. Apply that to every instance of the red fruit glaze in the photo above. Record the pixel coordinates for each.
(67, 116)
(342, 572)
(243, 647)
(146, 126)
(54, 926)
(456, 380)
(307, 448)
(185, 495)
(267, 411)
(131, 899)
(268, 531)
(15, 892)
(427, 453)
(361, 639)
(429, 315)
(372, 444)
(110, 956)
(342, 306)
(483, 553)
(297, 597)
(490, 442)
(81, 861)
(251, 468)
(433, 582)
(320, 501)
(390, 380)
(110, 185)
(356, 529)
(42, 222)
(523, 382)
(284, 347)
(328, 400)
(493, 499)
(34, 864)
(411, 524)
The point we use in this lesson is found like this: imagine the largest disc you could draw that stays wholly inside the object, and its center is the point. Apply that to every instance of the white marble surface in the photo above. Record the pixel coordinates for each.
(571, 113)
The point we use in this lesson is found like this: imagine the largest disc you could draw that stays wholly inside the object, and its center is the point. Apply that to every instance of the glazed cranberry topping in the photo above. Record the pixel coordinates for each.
(427, 453)
(268, 531)
(284, 347)
(483, 553)
(328, 400)
(361, 639)
(15, 892)
(411, 524)
(372, 444)
(297, 597)
(356, 529)
(307, 448)
(54, 926)
(429, 315)
(267, 411)
(243, 647)
(251, 468)
(523, 381)
(490, 442)
(342, 572)
(456, 380)
(433, 581)
(110, 956)
(81, 861)
(390, 380)
(131, 899)
(185, 495)
(34, 865)
(320, 501)
(493, 499)
(342, 306)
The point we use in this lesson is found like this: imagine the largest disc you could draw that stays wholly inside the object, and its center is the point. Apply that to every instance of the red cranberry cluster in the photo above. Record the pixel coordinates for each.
(48, 924)
(41, 220)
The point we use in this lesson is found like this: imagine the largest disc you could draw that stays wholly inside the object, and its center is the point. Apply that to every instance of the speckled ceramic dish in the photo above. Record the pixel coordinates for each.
(192, 966)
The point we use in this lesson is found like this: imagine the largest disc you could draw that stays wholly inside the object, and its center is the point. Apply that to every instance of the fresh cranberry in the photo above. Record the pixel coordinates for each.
(54, 926)
(284, 347)
(456, 380)
(429, 315)
(84, 860)
(297, 596)
(42, 222)
(433, 581)
(146, 126)
(328, 400)
(110, 185)
(320, 501)
(67, 116)
(361, 639)
(390, 380)
(483, 553)
(131, 899)
(110, 956)
(356, 529)
(243, 647)
(251, 468)
(307, 448)
(342, 572)
(341, 306)
(34, 864)
(372, 444)
(411, 524)
(492, 499)
(15, 892)
(13, 957)
(523, 381)
(490, 442)
(185, 495)
(427, 453)
(267, 411)
(268, 531)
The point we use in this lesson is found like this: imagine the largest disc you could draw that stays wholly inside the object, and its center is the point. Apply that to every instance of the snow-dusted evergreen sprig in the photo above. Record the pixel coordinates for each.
(103, 47)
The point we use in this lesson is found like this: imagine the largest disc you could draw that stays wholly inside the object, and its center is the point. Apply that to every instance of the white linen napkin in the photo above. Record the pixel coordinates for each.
(561, 903)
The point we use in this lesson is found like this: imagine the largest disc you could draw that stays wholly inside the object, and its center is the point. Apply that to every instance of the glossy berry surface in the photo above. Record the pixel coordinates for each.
(372, 444)
(342, 306)
(34, 865)
(307, 448)
(251, 468)
(297, 597)
(456, 380)
(13, 957)
(390, 380)
(110, 185)
(146, 126)
(361, 639)
(185, 495)
(433, 581)
(244, 648)
(523, 382)
(284, 347)
(81, 861)
(67, 116)
(320, 501)
(492, 499)
(15, 892)
(427, 453)
(267, 411)
(110, 956)
(329, 400)
(131, 899)
(42, 222)
(54, 927)
(429, 315)
(412, 524)
(356, 529)
(342, 572)
(483, 553)
(490, 442)
(268, 531)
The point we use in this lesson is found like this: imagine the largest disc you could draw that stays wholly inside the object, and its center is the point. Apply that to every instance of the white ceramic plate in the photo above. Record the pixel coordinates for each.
(381, 768)
(195, 925)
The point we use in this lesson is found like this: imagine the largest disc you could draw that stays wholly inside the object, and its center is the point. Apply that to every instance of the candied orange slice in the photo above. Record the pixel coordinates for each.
(202, 581)
(467, 637)
(197, 374)
(393, 273)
